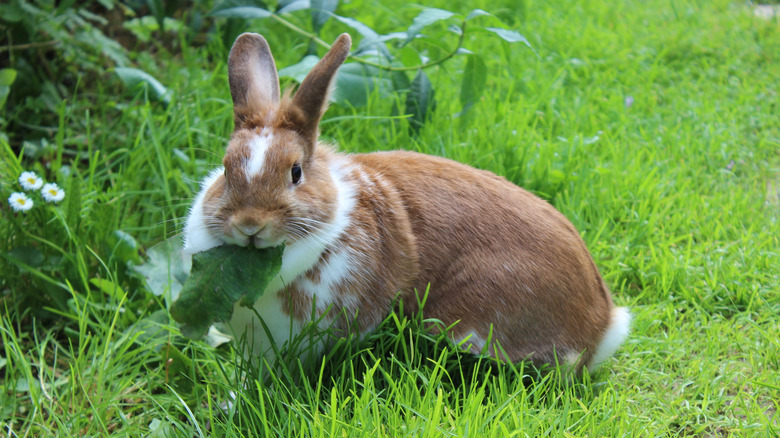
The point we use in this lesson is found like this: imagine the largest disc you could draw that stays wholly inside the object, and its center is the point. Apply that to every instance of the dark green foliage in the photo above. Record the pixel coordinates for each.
(474, 79)
(419, 100)
(53, 47)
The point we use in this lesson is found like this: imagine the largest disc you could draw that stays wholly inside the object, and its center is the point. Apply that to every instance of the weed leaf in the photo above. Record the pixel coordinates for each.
(419, 100)
(378, 43)
(160, 429)
(355, 83)
(132, 77)
(151, 330)
(511, 36)
(300, 70)
(124, 245)
(427, 17)
(362, 29)
(241, 12)
(109, 288)
(166, 269)
(476, 13)
(7, 77)
(219, 278)
(294, 6)
(158, 11)
(320, 13)
(474, 79)
(178, 369)
(366, 32)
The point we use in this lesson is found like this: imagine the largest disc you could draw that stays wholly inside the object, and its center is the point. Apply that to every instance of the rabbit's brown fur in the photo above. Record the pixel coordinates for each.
(363, 230)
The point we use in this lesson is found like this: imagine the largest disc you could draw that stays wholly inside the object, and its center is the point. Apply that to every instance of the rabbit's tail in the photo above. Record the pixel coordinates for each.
(616, 333)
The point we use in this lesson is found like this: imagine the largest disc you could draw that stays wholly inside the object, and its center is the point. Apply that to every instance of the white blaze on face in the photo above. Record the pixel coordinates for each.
(258, 147)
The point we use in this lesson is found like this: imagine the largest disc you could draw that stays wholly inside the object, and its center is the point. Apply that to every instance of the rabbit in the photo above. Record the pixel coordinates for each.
(362, 231)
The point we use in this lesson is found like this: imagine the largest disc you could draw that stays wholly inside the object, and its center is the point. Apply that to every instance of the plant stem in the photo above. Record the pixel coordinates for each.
(323, 43)
(28, 46)
(297, 29)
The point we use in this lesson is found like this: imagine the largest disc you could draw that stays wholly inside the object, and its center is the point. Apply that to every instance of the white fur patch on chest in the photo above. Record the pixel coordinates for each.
(336, 270)
(258, 147)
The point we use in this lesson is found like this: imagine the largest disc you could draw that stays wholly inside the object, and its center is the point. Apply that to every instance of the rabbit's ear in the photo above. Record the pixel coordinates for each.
(254, 84)
(311, 99)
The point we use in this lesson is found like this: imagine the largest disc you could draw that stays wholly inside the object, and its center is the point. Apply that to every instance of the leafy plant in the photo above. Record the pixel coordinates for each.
(381, 62)
(7, 77)
(57, 242)
(53, 47)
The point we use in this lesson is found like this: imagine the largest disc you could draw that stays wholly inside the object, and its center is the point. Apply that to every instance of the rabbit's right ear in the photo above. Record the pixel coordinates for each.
(254, 83)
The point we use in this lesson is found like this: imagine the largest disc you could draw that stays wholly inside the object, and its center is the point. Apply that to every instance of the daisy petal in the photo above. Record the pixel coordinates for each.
(51, 192)
(20, 202)
(30, 181)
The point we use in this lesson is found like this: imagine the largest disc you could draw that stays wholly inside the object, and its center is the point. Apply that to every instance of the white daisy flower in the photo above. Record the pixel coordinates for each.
(20, 202)
(30, 181)
(52, 193)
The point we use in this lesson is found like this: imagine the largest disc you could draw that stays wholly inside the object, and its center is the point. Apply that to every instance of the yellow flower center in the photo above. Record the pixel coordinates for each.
(22, 201)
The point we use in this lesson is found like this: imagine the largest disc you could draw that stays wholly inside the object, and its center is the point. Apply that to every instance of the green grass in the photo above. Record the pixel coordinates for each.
(676, 195)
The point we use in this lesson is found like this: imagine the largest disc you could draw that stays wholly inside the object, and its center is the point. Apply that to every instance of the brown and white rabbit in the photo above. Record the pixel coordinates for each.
(362, 230)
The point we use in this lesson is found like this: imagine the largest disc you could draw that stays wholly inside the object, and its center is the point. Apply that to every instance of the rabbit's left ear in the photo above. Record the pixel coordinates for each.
(311, 99)
(254, 83)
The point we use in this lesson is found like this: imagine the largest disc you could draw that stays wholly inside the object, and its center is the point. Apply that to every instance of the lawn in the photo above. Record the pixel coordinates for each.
(654, 126)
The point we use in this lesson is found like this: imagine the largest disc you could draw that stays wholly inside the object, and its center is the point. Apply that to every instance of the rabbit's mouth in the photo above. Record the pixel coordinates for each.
(260, 242)
(256, 241)
(252, 235)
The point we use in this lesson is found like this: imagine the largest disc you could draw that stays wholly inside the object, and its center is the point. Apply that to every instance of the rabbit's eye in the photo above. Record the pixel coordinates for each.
(296, 173)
